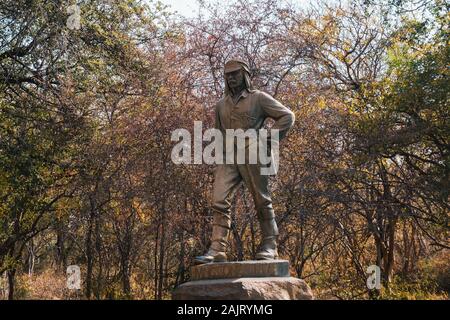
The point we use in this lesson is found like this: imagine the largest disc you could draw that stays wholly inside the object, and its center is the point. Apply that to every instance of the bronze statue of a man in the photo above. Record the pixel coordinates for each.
(243, 107)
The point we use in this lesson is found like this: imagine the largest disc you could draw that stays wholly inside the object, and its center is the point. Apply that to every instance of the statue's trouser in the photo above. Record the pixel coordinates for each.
(227, 178)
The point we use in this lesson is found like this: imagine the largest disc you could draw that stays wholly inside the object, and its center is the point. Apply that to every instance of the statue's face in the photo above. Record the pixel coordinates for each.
(235, 79)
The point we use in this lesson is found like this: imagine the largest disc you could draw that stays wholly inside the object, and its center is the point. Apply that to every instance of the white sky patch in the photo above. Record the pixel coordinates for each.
(190, 8)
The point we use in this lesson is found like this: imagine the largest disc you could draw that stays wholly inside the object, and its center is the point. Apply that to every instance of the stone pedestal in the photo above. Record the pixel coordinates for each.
(243, 280)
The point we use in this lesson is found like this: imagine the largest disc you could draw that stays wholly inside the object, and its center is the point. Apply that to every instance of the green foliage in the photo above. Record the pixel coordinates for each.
(50, 77)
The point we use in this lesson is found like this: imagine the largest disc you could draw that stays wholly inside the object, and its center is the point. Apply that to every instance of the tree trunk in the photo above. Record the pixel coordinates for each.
(161, 260)
(89, 257)
(181, 268)
(98, 249)
(10, 275)
(60, 252)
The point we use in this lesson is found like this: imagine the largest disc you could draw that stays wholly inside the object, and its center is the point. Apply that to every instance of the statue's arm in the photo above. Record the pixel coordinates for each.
(272, 108)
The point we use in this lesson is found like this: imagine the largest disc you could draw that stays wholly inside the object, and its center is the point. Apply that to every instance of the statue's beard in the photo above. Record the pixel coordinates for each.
(237, 88)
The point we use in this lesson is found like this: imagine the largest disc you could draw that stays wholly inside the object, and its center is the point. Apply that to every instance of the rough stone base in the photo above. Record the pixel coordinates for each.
(262, 288)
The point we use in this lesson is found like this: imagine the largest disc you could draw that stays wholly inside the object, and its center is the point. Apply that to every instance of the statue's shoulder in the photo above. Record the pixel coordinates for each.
(264, 98)
(259, 93)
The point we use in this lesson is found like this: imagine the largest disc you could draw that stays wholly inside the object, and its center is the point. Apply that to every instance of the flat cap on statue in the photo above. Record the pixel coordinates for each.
(235, 64)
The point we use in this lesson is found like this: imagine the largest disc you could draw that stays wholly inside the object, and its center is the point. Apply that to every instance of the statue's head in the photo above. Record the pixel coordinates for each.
(237, 74)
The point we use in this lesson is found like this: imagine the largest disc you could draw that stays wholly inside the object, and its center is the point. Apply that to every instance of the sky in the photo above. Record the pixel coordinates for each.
(189, 8)
(183, 7)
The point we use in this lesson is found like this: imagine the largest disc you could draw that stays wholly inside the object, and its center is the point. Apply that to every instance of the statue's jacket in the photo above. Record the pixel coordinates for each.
(250, 111)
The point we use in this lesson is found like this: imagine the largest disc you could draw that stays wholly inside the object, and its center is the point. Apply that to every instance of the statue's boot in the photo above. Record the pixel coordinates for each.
(219, 241)
(269, 230)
